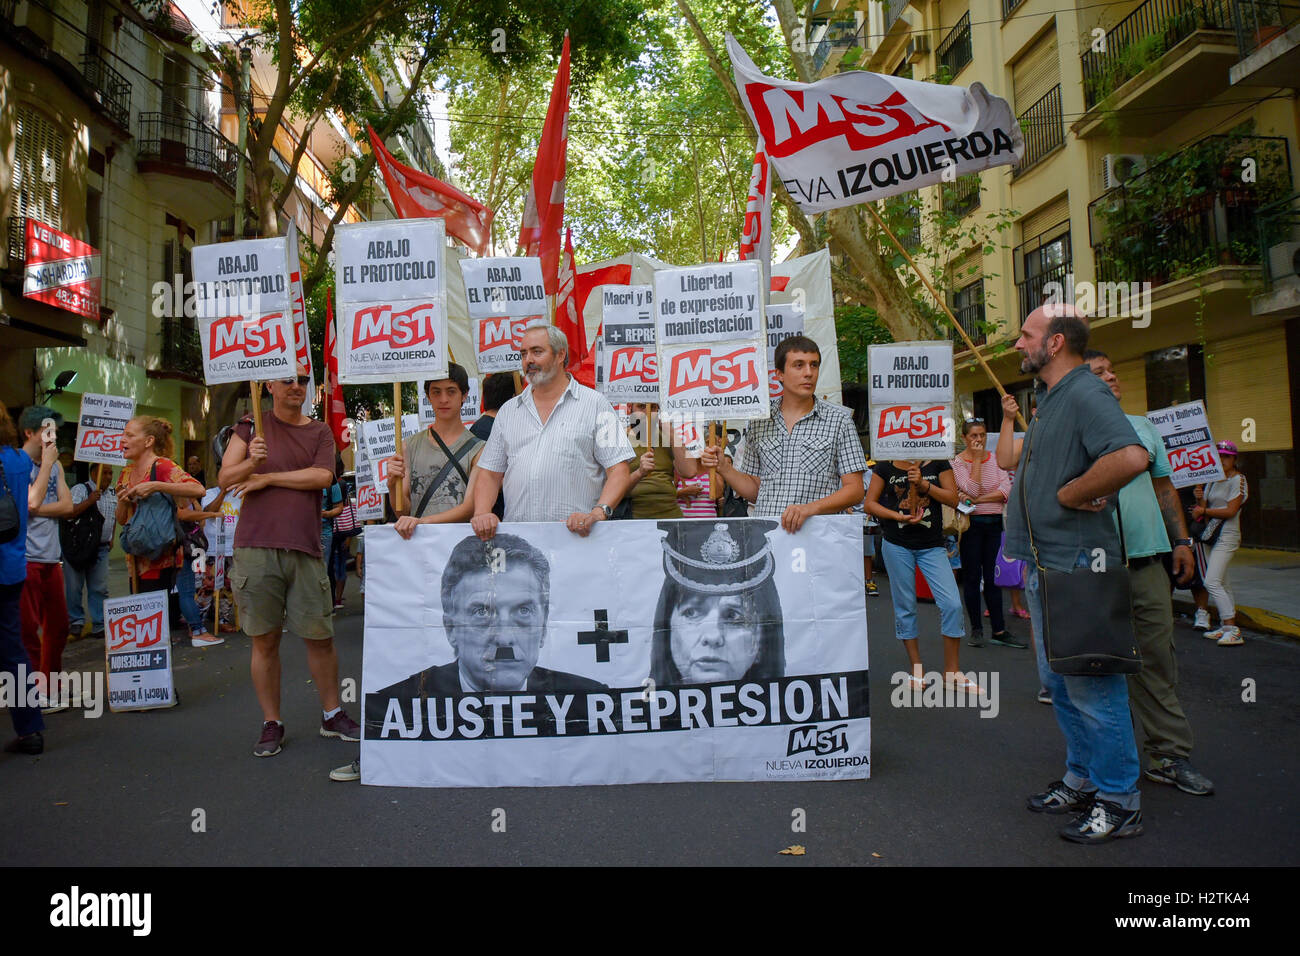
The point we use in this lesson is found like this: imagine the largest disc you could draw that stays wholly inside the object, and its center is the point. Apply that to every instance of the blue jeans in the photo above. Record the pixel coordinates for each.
(26, 720)
(95, 580)
(185, 595)
(1093, 713)
(901, 563)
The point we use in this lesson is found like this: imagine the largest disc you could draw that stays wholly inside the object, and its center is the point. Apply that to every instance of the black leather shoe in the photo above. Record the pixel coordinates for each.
(1006, 640)
(32, 744)
(1058, 798)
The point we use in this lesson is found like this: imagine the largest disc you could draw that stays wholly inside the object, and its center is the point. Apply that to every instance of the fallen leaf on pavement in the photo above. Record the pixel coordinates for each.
(877, 856)
(61, 803)
(795, 850)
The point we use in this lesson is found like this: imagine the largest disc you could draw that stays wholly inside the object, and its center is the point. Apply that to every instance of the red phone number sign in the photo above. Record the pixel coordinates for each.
(61, 270)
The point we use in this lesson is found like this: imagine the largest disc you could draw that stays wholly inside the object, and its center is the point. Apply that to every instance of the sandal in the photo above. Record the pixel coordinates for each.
(960, 681)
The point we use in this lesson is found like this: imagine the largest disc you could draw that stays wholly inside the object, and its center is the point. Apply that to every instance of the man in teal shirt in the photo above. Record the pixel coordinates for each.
(1152, 517)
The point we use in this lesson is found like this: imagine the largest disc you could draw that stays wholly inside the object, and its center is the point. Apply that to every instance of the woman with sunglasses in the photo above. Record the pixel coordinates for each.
(985, 487)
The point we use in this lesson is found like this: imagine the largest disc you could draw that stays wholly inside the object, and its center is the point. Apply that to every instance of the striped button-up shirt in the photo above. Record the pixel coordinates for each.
(804, 463)
(555, 469)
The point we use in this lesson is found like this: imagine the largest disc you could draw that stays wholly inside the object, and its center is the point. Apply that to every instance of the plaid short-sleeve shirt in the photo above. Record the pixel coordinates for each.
(803, 464)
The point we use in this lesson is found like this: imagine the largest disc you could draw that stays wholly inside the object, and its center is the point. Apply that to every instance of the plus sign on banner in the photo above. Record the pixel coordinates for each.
(664, 651)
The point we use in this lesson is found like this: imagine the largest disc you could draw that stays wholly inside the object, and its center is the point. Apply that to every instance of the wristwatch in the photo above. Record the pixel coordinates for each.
(1182, 542)
(609, 512)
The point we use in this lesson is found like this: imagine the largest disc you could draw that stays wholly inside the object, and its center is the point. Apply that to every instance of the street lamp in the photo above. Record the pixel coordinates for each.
(61, 381)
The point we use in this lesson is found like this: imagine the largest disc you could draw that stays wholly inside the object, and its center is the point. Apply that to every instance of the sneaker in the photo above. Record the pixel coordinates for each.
(206, 640)
(1230, 636)
(341, 725)
(269, 744)
(1102, 822)
(1058, 798)
(338, 605)
(872, 590)
(1202, 620)
(50, 707)
(1180, 772)
(976, 638)
(348, 774)
(1004, 639)
(1044, 696)
(32, 744)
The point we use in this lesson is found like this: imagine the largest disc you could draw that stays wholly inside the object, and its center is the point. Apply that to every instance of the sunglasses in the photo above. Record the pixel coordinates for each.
(301, 380)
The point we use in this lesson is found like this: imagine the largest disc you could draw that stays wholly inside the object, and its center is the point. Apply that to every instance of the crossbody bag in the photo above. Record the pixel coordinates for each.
(453, 461)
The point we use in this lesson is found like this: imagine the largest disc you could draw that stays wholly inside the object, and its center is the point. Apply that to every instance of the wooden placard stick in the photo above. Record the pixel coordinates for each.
(715, 484)
(257, 408)
(397, 437)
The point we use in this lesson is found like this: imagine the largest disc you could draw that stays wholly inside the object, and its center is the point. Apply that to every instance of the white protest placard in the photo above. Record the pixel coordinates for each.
(470, 409)
(381, 444)
(783, 322)
(245, 315)
(912, 432)
(1185, 430)
(138, 649)
(99, 428)
(392, 301)
(714, 380)
(715, 302)
(628, 359)
(603, 683)
(910, 373)
(503, 294)
(370, 501)
(298, 303)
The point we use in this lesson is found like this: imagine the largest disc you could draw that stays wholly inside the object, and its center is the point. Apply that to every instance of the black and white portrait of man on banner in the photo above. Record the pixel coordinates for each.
(649, 652)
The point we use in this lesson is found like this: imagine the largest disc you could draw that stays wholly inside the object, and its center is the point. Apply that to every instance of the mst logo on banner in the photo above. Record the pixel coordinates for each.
(61, 270)
(648, 652)
(717, 380)
(99, 428)
(138, 652)
(1185, 431)
(908, 432)
(237, 349)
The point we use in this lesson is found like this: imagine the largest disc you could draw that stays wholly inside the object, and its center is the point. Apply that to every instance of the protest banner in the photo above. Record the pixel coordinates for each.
(783, 322)
(138, 652)
(381, 444)
(245, 314)
(628, 366)
(910, 396)
(579, 689)
(470, 409)
(1185, 430)
(370, 501)
(502, 294)
(709, 326)
(99, 428)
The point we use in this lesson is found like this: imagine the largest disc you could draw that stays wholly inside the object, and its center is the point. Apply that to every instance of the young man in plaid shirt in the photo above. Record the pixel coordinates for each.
(803, 459)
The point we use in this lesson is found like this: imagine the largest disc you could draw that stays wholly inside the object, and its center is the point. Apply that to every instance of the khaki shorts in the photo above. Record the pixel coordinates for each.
(277, 588)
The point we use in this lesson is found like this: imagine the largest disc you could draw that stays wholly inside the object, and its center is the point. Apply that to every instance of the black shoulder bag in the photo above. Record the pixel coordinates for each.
(1087, 614)
(453, 461)
(8, 510)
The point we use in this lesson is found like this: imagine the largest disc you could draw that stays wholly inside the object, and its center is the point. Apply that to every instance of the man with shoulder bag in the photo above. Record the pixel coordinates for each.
(1076, 455)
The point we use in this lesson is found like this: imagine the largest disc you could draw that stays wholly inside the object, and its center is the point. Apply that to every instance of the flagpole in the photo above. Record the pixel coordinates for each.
(944, 305)
(397, 434)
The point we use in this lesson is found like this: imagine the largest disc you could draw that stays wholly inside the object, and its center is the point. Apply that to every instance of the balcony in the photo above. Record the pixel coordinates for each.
(1278, 225)
(962, 197)
(1043, 128)
(1162, 56)
(1048, 257)
(955, 50)
(1268, 39)
(190, 166)
(110, 88)
(182, 355)
(1190, 211)
(968, 307)
(840, 35)
(1009, 7)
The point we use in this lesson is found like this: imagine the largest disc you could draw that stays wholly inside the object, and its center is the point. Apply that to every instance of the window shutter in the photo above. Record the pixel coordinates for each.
(1036, 72)
(38, 169)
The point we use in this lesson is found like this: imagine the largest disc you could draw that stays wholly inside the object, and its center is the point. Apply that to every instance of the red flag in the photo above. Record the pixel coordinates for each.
(417, 195)
(755, 234)
(335, 411)
(567, 318)
(539, 233)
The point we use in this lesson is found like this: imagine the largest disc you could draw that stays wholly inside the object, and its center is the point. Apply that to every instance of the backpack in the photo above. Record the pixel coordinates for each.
(154, 530)
(79, 538)
(8, 510)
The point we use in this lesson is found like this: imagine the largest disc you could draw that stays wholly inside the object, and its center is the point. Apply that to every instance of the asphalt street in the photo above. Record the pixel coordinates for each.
(947, 786)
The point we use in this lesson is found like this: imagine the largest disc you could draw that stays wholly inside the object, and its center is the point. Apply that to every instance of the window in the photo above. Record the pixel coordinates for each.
(37, 176)
(955, 50)
(968, 307)
(1045, 258)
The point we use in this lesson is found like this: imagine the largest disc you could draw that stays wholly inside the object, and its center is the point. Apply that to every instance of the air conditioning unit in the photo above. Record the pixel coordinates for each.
(1284, 260)
(1119, 168)
(917, 47)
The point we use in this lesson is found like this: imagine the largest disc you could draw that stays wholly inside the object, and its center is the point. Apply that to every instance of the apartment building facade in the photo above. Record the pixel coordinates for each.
(1159, 187)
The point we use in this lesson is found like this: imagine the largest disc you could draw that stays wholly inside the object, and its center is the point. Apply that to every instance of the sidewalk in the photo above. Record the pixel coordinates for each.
(1266, 588)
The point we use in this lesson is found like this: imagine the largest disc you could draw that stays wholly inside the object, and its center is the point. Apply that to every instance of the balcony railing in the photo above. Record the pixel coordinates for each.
(1043, 128)
(893, 10)
(1040, 261)
(968, 307)
(1194, 210)
(114, 89)
(16, 240)
(1142, 37)
(962, 197)
(955, 50)
(839, 35)
(189, 143)
(1009, 7)
(1259, 21)
(182, 353)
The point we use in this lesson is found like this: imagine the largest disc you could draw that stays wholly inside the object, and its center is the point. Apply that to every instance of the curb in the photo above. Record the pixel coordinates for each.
(1254, 618)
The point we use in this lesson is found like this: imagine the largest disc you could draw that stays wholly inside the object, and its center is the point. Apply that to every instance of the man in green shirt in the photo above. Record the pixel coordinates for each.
(1152, 517)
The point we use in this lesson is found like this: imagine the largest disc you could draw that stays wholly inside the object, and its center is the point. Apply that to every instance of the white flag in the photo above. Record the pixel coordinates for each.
(859, 136)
